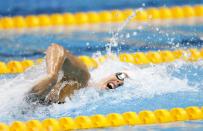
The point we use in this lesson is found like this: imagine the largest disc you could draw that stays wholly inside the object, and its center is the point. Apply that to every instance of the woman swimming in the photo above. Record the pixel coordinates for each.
(54, 88)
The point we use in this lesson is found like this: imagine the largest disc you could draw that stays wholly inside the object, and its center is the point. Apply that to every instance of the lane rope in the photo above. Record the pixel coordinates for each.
(138, 58)
(144, 117)
(113, 16)
(113, 119)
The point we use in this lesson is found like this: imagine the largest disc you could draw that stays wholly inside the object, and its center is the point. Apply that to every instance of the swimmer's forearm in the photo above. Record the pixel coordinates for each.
(53, 96)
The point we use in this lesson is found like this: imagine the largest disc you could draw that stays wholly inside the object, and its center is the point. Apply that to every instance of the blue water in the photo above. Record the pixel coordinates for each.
(25, 7)
(15, 45)
(168, 85)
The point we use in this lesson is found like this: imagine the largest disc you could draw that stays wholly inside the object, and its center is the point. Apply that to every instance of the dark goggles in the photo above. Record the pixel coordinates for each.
(121, 76)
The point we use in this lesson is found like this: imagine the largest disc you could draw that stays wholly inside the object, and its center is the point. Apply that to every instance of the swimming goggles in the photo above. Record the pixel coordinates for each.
(121, 76)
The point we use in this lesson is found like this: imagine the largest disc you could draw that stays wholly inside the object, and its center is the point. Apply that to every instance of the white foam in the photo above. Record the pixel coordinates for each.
(12, 91)
(145, 82)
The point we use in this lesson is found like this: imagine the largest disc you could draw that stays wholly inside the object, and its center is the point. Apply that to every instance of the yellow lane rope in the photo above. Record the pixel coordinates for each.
(111, 120)
(151, 57)
(113, 16)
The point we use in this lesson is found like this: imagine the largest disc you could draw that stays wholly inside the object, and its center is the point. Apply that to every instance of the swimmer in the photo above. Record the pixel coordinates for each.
(54, 88)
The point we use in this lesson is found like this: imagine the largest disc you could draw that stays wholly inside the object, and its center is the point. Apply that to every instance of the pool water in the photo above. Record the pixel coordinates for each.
(179, 126)
(87, 40)
(27, 7)
(150, 87)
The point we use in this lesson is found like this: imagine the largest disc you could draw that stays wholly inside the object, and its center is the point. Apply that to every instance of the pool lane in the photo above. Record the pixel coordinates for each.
(18, 46)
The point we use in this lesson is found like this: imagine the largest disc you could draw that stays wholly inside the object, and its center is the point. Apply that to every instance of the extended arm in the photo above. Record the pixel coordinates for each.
(75, 75)
(55, 56)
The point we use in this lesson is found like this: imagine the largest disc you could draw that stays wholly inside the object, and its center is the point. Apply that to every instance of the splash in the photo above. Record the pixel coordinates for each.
(114, 40)
(145, 83)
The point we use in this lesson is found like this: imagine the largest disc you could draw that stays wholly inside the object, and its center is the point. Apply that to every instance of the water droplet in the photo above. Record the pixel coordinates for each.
(87, 43)
(178, 45)
(134, 33)
(127, 35)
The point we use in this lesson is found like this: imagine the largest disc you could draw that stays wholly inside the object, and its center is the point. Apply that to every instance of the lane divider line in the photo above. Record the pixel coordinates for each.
(144, 117)
(112, 16)
(138, 58)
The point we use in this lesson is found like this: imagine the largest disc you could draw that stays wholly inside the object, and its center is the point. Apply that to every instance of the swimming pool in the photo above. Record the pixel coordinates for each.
(167, 85)
(151, 87)
(11, 8)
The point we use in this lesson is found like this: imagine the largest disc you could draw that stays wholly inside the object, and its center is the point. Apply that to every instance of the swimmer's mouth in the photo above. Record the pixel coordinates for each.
(111, 85)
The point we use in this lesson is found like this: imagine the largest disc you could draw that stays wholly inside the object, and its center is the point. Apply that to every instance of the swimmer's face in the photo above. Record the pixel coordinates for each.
(114, 81)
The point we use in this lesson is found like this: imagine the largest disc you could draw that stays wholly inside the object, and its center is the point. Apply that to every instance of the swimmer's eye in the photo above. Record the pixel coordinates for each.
(121, 76)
